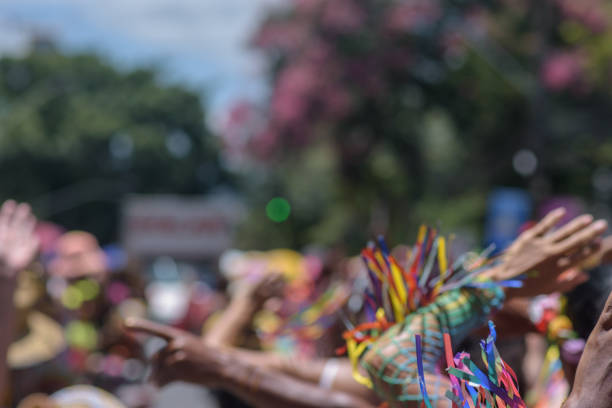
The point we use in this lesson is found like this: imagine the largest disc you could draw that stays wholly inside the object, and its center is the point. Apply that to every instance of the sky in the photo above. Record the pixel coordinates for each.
(202, 43)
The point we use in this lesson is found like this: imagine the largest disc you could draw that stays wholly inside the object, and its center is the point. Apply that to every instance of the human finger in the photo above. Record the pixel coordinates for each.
(570, 279)
(136, 324)
(606, 250)
(6, 213)
(158, 366)
(25, 230)
(177, 344)
(20, 215)
(581, 238)
(579, 257)
(571, 227)
(166, 370)
(549, 221)
(176, 357)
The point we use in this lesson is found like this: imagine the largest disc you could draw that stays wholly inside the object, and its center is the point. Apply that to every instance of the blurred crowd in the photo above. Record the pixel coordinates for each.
(85, 326)
(356, 118)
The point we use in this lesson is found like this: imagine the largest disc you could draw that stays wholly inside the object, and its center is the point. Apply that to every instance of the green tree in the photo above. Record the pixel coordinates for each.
(76, 135)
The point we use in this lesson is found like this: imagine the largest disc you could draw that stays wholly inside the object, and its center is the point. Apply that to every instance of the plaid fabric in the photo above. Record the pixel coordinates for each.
(391, 361)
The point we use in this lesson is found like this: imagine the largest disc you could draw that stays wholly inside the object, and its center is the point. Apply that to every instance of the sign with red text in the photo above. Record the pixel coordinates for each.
(178, 226)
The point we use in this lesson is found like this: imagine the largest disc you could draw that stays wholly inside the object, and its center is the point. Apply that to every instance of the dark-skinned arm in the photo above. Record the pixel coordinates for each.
(187, 358)
(310, 371)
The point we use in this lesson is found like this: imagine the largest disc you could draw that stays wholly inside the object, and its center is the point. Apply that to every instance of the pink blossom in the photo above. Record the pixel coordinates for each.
(588, 12)
(288, 108)
(240, 112)
(369, 76)
(342, 15)
(241, 123)
(286, 35)
(452, 43)
(292, 94)
(479, 20)
(561, 70)
(411, 15)
(337, 101)
(307, 6)
(298, 78)
(266, 142)
(318, 52)
(398, 58)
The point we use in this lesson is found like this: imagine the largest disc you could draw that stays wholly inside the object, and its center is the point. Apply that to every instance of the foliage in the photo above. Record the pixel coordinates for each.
(76, 135)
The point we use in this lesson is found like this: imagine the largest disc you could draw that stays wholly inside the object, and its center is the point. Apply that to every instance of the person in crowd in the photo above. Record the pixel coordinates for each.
(18, 247)
(62, 326)
(265, 380)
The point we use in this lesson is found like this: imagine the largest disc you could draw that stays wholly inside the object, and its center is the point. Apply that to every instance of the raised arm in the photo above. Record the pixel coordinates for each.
(18, 246)
(592, 386)
(545, 254)
(239, 314)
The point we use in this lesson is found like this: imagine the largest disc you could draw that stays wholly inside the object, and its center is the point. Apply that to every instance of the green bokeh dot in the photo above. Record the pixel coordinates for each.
(278, 209)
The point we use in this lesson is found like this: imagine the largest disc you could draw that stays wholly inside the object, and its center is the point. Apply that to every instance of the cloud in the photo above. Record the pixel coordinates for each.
(219, 28)
(199, 41)
(14, 38)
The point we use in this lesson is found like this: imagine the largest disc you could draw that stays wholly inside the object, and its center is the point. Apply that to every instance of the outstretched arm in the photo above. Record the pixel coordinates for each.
(18, 246)
(187, 358)
(267, 388)
(330, 373)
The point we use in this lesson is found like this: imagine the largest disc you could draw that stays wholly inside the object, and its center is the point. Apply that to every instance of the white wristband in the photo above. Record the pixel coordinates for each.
(329, 374)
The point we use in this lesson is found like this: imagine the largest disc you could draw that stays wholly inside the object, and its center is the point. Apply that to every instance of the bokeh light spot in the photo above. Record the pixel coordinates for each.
(525, 162)
(82, 335)
(72, 298)
(278, 209)
(89, 289)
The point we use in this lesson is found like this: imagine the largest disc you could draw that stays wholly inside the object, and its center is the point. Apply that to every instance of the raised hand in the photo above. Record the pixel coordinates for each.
(545, 254)
(269, 286)
(592, 387)
(18, 244)
(184, 358)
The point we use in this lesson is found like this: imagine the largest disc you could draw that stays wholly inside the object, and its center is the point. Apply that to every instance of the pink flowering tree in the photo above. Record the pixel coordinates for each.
(411, 110)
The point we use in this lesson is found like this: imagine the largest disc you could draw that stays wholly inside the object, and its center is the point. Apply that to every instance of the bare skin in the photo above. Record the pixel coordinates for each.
(38, 401)
(243, 306)
(550, 253)
(592, 386)
(606, 250)
(239, 314)
(310, 371)
(187, 358)
(18, 247)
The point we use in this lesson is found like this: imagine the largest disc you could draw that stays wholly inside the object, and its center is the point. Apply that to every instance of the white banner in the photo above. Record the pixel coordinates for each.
(179, 226)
